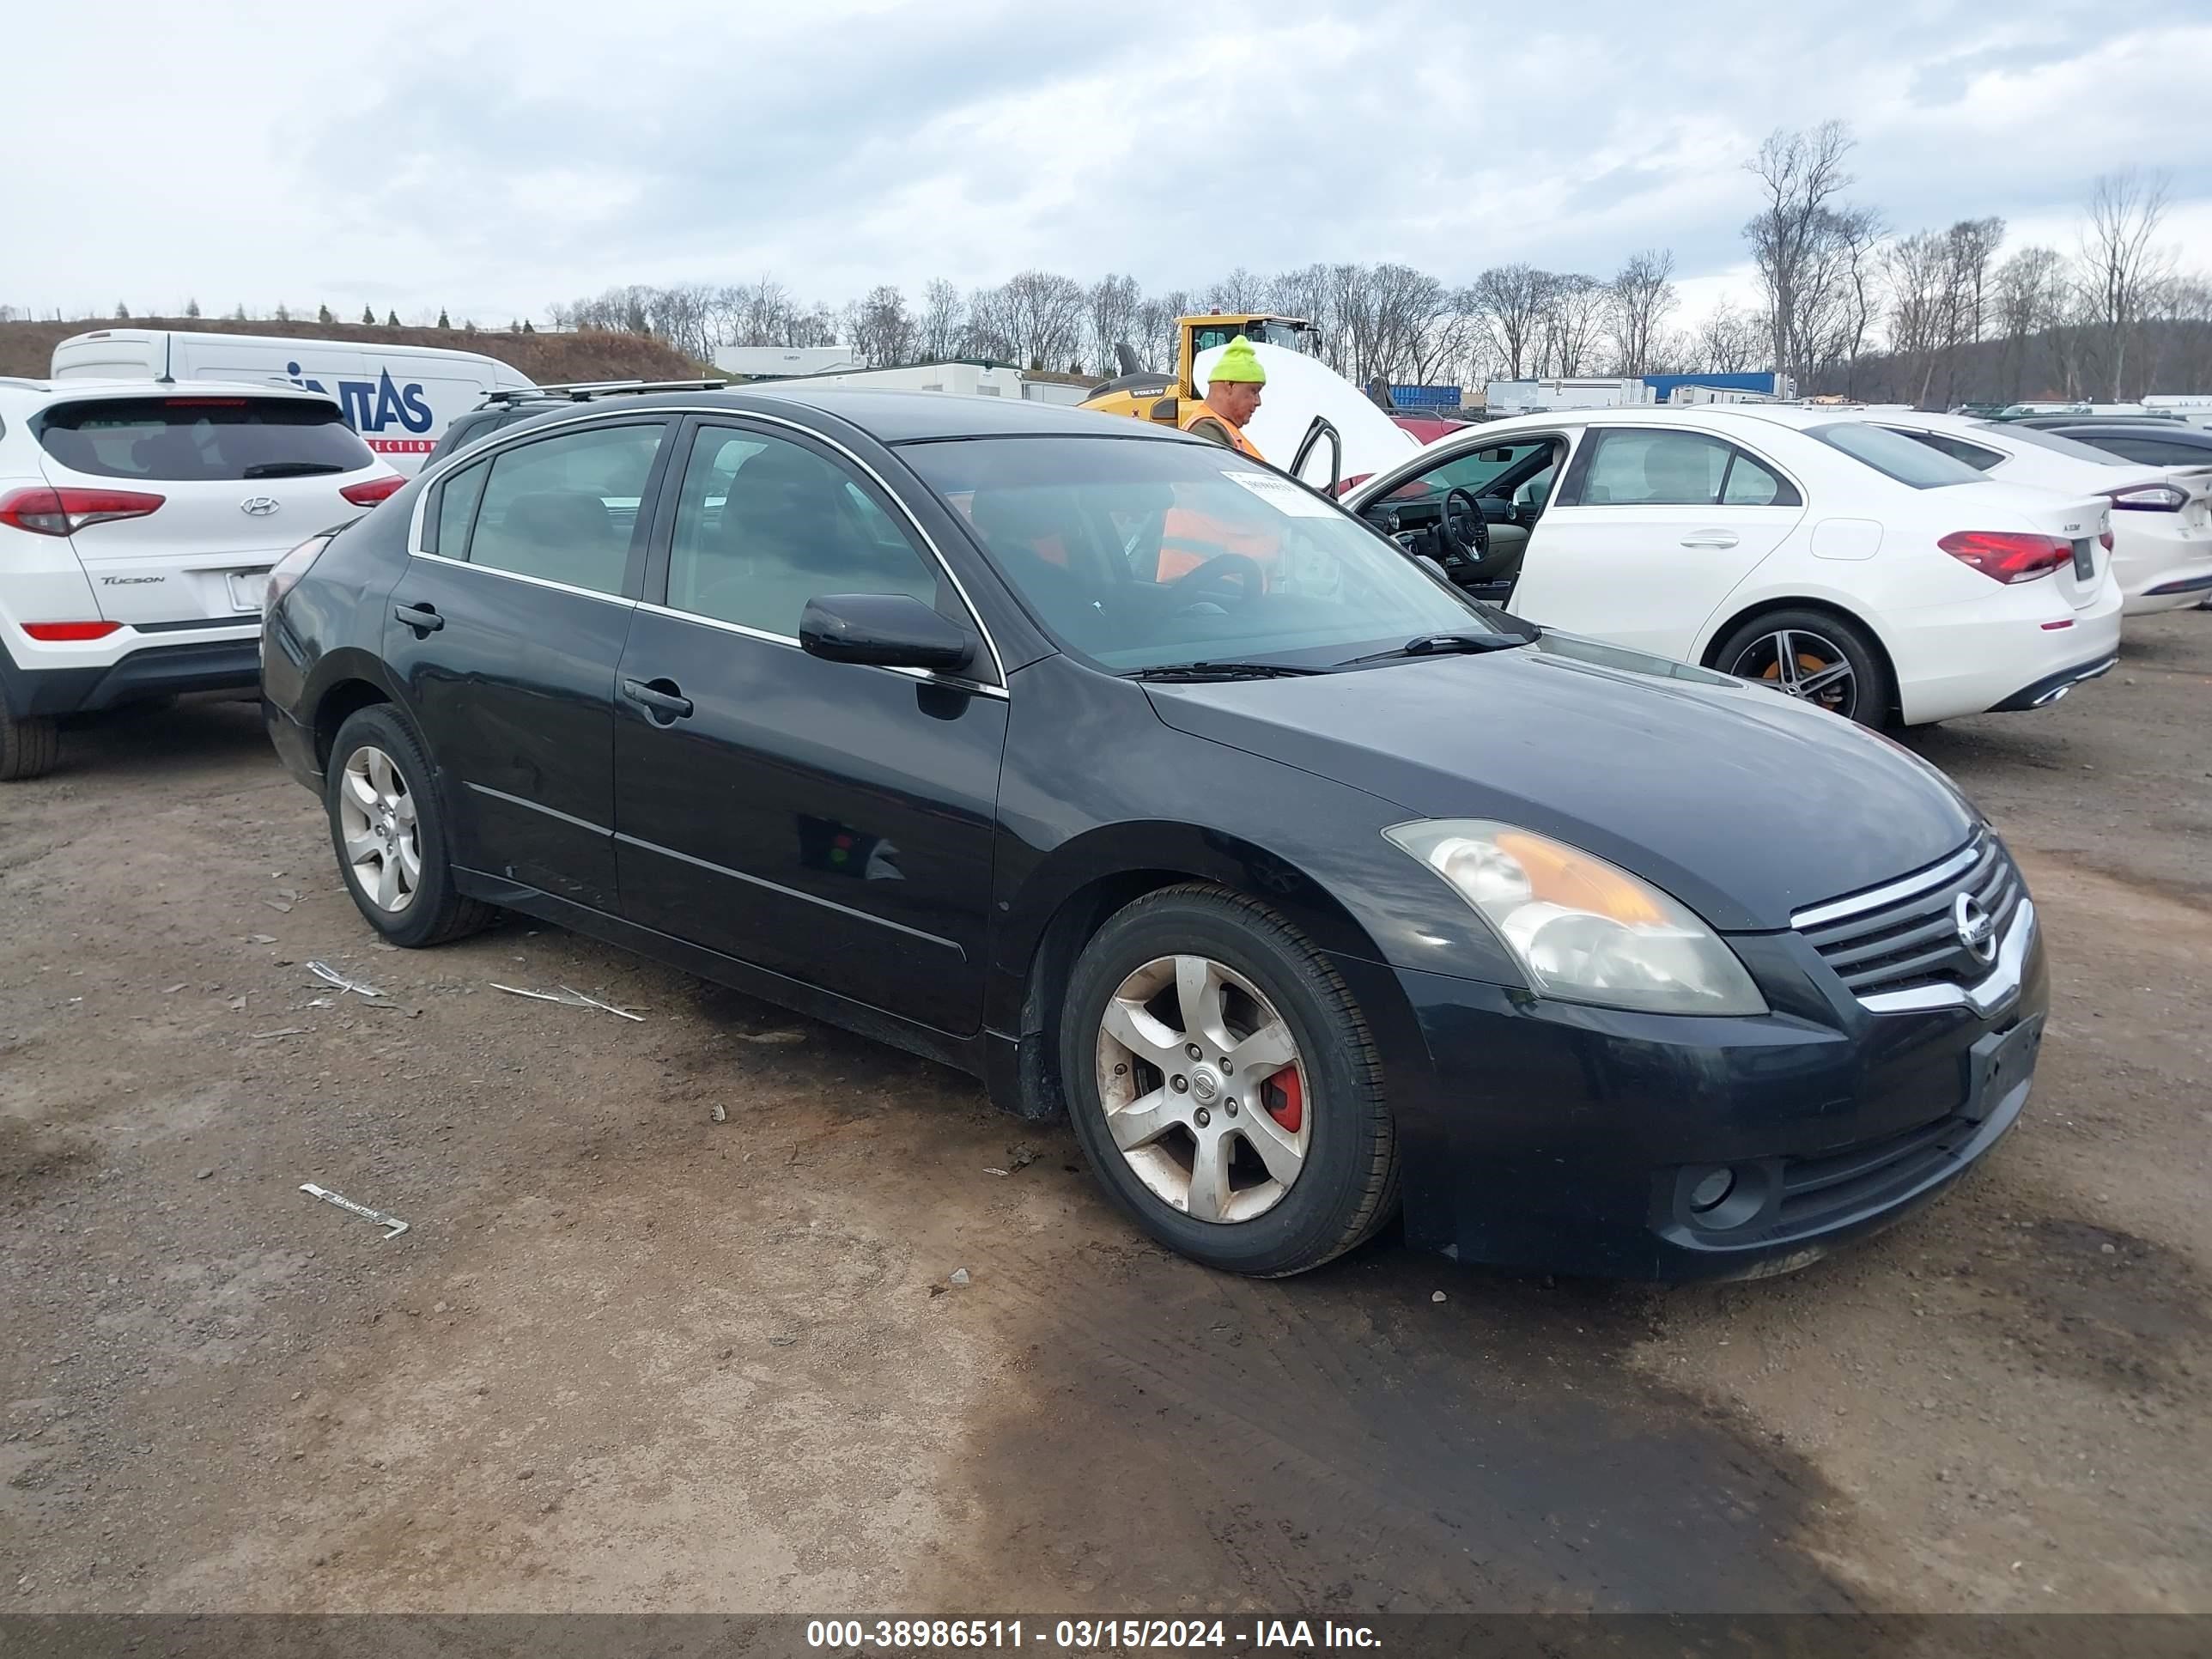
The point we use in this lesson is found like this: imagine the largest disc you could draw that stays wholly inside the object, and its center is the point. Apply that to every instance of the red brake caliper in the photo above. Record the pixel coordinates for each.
(1285, 1100)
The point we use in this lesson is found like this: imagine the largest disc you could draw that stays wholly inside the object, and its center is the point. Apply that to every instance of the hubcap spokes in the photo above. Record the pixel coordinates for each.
(1204, 1089)
(1803, 665)
(383, 837)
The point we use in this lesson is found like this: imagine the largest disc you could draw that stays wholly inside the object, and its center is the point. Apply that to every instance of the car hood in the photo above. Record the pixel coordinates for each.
(1740, 802)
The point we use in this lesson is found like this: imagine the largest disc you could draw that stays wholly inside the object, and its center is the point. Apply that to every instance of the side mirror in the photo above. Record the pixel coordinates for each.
(890, 630)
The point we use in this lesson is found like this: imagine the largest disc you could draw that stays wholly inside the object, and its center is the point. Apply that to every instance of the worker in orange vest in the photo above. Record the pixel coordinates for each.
(1232, 398)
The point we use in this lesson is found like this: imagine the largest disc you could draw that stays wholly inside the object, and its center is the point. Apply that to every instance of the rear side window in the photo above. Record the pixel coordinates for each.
(1893, 455)
(565, 508)
(2059, 445)
(2155, 452)
(457, 510)
(208, 439)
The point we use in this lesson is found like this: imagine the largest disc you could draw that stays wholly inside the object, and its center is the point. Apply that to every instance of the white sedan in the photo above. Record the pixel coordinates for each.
(1843, 562)
(2162, 517)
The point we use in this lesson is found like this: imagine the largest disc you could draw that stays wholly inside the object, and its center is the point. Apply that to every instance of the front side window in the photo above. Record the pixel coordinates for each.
(1137, 553)
(206, 439)
(1475, 471)
(764, 523)
(564, 508)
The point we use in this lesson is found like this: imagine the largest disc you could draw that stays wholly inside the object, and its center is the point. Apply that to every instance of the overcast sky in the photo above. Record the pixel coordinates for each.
(494, 158)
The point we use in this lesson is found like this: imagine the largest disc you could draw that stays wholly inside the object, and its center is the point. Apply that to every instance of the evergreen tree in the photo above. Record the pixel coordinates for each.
(368, 317)
(392, 319)
(192, 307)
(323, 316)
(238, 315)
(122, 312)
(527, 328)
(444, 321)
(284, 314)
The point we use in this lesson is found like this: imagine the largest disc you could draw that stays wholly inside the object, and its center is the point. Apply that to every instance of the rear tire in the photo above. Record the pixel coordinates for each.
(1318, 1118)
(379, 796)
(1821, 643)
(28, 748)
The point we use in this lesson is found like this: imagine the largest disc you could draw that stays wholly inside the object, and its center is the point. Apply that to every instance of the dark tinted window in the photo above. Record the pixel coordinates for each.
(182, 439)
(564, 508)
(2053, 442)
(1894, 455)
(764, 524)
(1974, 455)
(457, 509)
(2153, 452)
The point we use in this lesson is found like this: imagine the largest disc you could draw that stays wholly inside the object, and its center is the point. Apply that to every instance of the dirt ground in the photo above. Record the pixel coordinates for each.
(628, 1357)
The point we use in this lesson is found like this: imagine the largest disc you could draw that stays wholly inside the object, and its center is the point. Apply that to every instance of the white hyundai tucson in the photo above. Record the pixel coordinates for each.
(138, 522)
(1838, 560)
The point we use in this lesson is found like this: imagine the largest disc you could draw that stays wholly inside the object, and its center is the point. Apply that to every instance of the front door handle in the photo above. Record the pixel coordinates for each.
(663, 700)
(422, 618)
(1712, 539)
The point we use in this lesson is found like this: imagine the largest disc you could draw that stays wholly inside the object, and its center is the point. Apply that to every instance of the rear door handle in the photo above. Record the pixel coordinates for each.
(663, 700)
(1712, 539)
(422, 618)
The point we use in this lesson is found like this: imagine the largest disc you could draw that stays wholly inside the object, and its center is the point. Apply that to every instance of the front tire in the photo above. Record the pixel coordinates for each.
(1817, 656)
(389, 834)
(1271, 1150)
(28, 748)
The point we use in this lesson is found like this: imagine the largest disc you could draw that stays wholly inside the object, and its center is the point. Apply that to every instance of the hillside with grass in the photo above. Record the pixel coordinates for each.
(26, 349)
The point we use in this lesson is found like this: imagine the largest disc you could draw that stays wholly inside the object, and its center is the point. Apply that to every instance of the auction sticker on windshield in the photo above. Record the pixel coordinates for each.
(1294, 499)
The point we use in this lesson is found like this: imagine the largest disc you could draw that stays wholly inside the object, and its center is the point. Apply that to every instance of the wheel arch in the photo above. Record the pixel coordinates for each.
(1708, 648)
(1060, 904)
(346, 682)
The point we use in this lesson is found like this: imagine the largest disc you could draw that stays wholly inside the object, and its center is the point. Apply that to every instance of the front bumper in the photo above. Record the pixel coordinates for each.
(150, 671)
(1547, 1135)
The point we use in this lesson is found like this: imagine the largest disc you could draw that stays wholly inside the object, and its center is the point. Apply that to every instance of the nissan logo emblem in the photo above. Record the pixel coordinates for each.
(259, 506)
(1978, 928)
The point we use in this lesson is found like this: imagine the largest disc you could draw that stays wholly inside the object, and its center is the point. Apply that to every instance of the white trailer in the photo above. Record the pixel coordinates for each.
(1541, 397)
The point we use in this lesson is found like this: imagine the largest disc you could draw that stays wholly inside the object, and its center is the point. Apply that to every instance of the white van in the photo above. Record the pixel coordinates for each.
(400, 398)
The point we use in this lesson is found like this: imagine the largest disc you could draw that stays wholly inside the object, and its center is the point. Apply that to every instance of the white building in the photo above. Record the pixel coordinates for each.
(962, 379)
(762, 362)
(1541, 396)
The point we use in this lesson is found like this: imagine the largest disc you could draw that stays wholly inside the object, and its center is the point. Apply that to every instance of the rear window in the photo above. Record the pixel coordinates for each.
(180, 440)
(1894, 456)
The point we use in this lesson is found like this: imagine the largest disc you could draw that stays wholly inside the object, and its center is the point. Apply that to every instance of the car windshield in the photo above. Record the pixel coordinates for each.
(1894, 455)
(1139, 553)
(2052, 442)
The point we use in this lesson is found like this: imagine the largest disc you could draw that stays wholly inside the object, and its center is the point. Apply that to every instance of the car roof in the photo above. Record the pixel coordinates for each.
(898, 416)
(69, 389)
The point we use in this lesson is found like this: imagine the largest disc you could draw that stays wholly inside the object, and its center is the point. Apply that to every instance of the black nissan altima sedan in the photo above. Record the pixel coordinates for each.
(1151, 788)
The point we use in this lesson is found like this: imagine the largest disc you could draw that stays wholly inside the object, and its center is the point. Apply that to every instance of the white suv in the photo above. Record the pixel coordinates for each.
(138, 520)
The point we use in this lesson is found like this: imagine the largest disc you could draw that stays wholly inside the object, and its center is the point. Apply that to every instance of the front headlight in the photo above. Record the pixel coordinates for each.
(1582, 930)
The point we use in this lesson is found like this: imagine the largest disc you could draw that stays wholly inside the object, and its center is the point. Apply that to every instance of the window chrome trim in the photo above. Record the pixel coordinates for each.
(790, 643)
(532, 433)
(623, 600)
(2000, 987)
(1881, 898)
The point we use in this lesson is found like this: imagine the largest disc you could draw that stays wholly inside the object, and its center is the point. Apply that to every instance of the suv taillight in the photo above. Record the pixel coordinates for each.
(369, 493)
(59, 512)
(2006, 557)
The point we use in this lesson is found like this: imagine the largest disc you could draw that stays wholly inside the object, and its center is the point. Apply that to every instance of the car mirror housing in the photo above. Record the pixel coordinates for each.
(887, 630)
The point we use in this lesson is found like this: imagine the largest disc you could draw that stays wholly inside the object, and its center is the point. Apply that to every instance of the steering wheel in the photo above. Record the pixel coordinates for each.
(1469, 546)
(1245, 570)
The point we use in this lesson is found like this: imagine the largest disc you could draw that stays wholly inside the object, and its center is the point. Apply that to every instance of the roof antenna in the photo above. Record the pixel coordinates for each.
(168, 349)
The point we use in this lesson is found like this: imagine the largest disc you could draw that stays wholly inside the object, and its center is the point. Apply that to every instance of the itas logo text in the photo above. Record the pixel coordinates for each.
(374, 406)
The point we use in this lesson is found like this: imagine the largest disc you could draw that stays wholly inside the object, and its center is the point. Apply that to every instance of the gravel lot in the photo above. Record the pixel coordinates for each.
(630, 1357)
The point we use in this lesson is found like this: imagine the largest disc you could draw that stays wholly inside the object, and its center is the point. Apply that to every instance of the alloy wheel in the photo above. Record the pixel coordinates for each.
(1804, 664)
(383, 837)
(1204, 1089)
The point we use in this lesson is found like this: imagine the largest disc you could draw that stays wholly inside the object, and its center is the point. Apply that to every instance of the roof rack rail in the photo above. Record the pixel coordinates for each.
(584, 390)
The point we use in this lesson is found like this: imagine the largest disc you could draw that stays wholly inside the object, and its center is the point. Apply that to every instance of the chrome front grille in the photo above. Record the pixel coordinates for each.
(1897, 946)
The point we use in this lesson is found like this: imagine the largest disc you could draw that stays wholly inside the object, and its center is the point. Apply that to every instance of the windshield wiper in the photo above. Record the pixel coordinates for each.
(1223, 671)
(290, 470)
(1441, 645)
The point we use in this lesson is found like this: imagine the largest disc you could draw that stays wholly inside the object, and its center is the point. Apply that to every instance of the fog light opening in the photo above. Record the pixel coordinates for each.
(1712, 1190)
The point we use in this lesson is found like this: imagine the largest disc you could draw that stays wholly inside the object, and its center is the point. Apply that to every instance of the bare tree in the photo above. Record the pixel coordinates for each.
(1793, 236)
(1727, 342)
(2029, 296)
(1113, 303)
(1044, 317)
(1921, 310)
(1240, 290)
(1641, 294)
(1572, 322)
(1512, 300)
(880, 329)
(943, 318)
(2121, 264)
